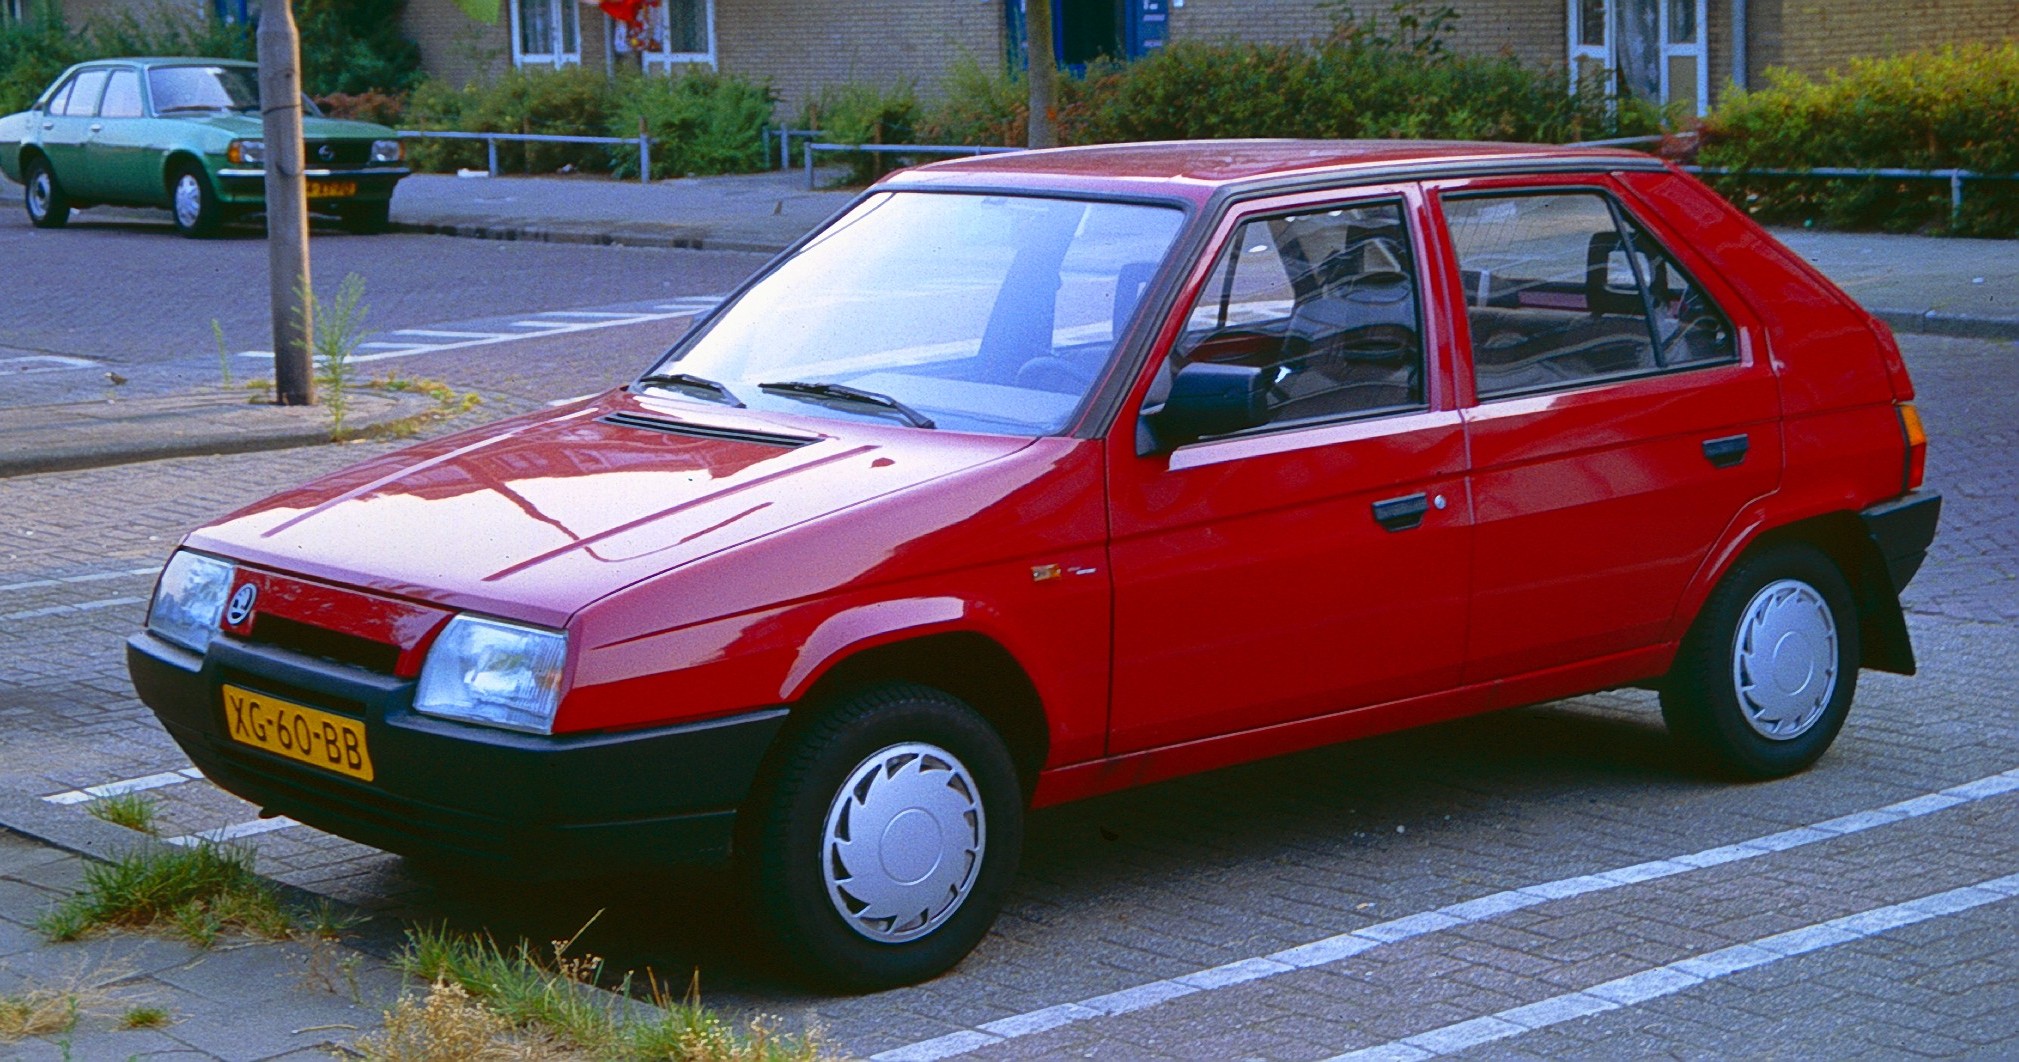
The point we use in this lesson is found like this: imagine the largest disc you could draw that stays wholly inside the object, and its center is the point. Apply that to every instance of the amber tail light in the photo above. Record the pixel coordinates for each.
(1917, 443)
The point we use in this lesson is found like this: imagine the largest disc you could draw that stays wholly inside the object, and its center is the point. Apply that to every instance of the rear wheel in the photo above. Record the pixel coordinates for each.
(882, 838)
(197, 212)
(365, 218)
(1764, 680)
(48, 207)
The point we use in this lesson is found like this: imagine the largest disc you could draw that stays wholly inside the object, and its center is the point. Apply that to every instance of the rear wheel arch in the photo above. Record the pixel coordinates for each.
(1841, 536)
(971, 666)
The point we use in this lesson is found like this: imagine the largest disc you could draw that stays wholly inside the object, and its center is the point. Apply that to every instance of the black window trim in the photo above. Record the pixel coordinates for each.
(1616, 210)
(1416, 277)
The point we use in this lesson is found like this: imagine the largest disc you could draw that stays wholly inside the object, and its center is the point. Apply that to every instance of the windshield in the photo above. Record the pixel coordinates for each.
(977, 313)
(203, 88)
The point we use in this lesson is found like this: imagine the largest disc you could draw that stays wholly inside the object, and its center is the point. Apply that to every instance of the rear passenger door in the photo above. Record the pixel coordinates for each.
(71, 122)
(1620, 417)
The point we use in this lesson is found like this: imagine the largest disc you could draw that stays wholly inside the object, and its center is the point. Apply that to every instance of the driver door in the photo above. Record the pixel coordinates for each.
(1316, 563)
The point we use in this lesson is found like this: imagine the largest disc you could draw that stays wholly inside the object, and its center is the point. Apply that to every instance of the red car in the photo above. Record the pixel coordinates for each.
(1038, 476)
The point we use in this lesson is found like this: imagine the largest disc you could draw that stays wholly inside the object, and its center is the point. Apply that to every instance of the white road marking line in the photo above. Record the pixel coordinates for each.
(1346, 945)
(128, 785)
(394, 346)
(90, 577)
(57, 610)
(534, 330)
(234, 831)
(584, 313)
(1679, 976)
(439, 333)
(690, 304)
(29, 363)
(572, 401)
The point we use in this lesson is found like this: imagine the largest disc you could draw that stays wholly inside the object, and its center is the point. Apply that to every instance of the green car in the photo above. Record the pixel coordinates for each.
(185, 134)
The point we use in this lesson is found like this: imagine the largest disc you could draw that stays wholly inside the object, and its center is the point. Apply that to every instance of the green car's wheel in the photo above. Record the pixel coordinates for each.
(196, 209)
(48, 207)
(366, 218)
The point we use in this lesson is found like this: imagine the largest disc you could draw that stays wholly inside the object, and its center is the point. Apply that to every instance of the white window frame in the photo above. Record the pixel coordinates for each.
(559, 10)
(1606, 55)
(1601, 53)
(1697, 49)
(665, 59)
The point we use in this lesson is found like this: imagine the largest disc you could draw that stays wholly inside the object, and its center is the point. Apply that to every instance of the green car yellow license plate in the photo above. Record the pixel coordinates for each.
(332, 189)
(300, 733)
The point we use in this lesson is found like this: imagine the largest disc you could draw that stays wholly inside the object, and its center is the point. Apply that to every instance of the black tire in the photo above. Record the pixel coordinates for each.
(782, 842)
(47, 206)
(365, 219)
(1701, 698)
(193, 203)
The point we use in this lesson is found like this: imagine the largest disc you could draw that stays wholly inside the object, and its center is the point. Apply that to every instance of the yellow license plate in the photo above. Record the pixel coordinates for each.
(300, 733)
(332, 189)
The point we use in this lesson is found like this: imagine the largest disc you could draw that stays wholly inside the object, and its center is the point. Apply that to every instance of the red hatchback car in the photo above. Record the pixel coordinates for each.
(1042, 475)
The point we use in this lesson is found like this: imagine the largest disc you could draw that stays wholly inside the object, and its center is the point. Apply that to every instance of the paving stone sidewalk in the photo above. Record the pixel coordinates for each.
(238, 1001)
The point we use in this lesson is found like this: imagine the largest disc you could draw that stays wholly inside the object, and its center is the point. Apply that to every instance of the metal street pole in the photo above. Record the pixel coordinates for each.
(1042, 67)
(286, 203)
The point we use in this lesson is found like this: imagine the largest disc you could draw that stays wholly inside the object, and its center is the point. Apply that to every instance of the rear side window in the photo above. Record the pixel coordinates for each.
(83, 99)
(59, 98)
(1326, 299)
(1562, 289)
(122, 96)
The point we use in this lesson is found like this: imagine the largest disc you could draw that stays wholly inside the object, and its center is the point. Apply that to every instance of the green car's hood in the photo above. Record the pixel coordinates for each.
(247, 127)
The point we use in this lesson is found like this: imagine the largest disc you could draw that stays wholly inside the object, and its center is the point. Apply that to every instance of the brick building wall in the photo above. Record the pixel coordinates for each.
(1815, 36)
(1532, 30)
(801, 45)
(455, 47)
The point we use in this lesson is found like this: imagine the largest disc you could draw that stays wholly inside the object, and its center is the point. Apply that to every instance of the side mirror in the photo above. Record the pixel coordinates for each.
(1210, 398)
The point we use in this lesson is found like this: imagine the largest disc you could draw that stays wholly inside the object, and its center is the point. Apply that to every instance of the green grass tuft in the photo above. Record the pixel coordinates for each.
(131, 810)
(200, 892)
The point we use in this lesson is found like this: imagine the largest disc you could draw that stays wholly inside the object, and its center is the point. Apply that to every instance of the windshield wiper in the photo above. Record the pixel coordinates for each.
(797, 389)
(692, 383)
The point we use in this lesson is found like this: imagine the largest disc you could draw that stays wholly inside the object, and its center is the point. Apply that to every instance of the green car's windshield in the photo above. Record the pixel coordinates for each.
(985, 313)
(203, 88)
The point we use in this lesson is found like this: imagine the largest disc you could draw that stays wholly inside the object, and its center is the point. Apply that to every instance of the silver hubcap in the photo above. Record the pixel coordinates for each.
(1784, 663)
(38, 194)
(904, 842)
(188, 200)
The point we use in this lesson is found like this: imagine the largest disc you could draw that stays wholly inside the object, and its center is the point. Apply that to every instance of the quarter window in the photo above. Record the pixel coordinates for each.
(1560, 291)
(1326, 301)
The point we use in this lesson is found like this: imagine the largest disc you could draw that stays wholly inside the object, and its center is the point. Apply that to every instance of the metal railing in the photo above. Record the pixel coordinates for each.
(491, 140)
(899, 149)
(1955, 177)
(785, 139)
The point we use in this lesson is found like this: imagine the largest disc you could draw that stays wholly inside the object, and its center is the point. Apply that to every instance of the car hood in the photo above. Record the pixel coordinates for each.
(249, 127)
(534, 517)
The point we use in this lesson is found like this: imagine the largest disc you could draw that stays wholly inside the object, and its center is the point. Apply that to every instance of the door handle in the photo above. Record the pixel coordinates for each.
(1401, 514)
(1727, 451)
(48, 125)
(95, 127)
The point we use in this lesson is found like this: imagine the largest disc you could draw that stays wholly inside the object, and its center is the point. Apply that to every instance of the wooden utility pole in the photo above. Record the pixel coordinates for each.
(1042, 67)
(286, 203)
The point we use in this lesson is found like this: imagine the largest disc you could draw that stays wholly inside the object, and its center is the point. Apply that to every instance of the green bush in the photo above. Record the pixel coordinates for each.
(1363, 80)
(32, 52)
(701, 122)
(1955, 108)
(863, 113)
(355, 46)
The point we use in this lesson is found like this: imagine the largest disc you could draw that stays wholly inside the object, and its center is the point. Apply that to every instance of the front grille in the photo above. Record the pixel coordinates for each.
(341, 153)
(325, 644)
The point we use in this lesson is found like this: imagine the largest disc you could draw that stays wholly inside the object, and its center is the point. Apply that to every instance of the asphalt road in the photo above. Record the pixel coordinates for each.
(118, 291)
(1548, 881)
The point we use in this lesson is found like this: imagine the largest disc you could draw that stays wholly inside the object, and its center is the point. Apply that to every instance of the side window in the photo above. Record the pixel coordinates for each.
(1562, 289)
(83, 101)
(1327, 300)
(1689, 328)
(59, 98)
(122, 96)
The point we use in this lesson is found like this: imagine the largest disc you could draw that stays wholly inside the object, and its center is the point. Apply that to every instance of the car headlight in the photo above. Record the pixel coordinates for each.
(188, 599)
(494, 673)
(388, 151)
(246, 152)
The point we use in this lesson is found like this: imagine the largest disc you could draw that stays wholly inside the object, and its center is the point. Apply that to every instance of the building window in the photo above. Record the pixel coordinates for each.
(1653, 49)
(546, 32)
(679, 31)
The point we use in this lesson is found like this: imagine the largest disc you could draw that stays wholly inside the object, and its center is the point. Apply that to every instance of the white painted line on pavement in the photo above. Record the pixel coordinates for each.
(28, 363)
(90, 577)
(440, 333)
(572, 401)
(394, 346)
(234, 831)
(545, 326)
(1366, 938)
(584, 313)
(57, 610)
(129, 785)
(1675, 977)
(534, 330)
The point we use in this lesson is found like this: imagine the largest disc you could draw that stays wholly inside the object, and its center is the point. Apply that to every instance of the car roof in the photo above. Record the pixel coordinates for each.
(168, 60)
(1196, 169)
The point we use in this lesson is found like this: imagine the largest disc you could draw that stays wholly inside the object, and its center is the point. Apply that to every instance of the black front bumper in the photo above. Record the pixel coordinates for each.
(564, 804)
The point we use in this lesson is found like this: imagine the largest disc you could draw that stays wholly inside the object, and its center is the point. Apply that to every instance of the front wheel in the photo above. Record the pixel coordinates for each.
(1765, 678)
(882, 838)
(48, 207)
(197, 212)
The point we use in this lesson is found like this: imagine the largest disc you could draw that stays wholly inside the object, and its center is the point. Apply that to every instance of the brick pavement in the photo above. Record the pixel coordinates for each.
(1163, 882)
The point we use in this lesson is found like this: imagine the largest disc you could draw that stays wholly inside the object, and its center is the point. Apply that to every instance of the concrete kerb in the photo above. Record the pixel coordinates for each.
(591, 235)
(1955, 325)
